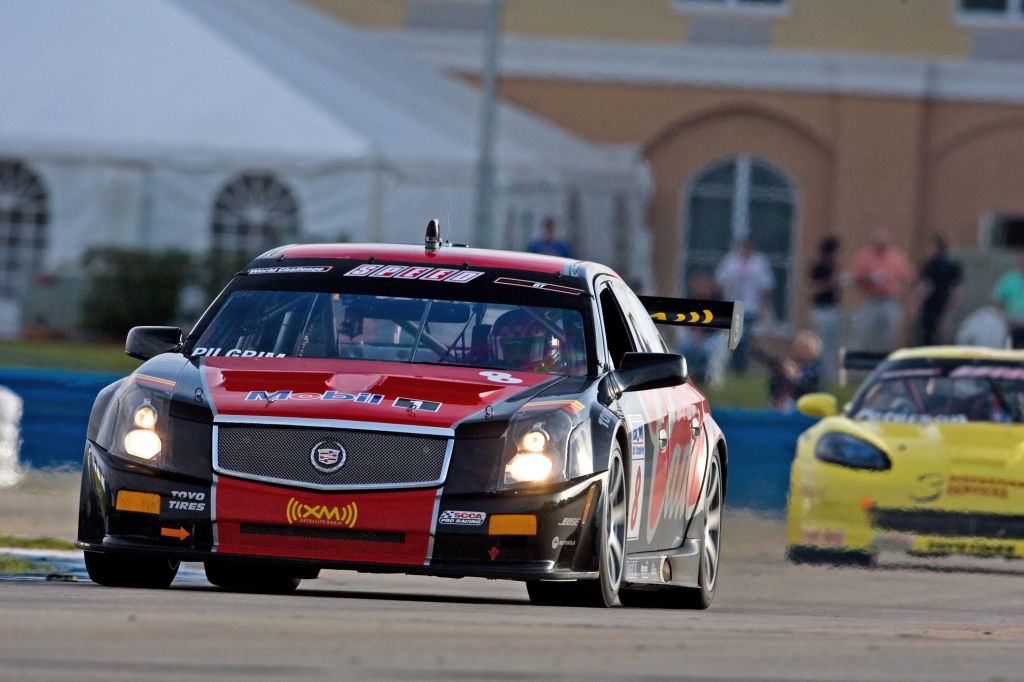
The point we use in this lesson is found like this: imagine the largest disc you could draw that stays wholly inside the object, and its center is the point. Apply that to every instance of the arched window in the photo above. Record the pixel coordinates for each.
(254, 212)
(742, 197)
(23, 220)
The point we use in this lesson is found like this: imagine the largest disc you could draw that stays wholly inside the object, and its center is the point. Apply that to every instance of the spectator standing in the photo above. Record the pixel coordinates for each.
(940, 288)
(986, 327)
(1009, 294)
(882, 273)
(548, 243)
(826, 315)
(744, 275)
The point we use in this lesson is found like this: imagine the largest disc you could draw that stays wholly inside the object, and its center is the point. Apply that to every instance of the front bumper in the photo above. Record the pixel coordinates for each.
(421, 531)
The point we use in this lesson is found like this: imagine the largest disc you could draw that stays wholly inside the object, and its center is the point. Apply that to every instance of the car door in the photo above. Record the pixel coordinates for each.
(660, 423)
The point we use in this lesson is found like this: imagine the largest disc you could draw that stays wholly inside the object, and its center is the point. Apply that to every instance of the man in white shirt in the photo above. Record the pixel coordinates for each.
(744, 275)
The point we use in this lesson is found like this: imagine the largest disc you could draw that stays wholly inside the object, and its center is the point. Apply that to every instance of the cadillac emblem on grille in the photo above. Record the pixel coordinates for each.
(328, 456)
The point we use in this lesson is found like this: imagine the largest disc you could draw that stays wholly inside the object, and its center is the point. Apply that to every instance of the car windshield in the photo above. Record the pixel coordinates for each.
(262, 323)
(943, 392)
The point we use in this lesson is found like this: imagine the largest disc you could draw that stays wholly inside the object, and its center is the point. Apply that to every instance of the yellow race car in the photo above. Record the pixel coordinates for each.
(927, 459)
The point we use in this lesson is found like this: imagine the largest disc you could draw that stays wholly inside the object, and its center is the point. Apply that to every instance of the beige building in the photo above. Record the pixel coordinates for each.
(784, 120)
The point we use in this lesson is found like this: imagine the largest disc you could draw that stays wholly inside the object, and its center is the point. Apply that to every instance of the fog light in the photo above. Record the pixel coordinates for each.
(512, 524)
(528, 466)
(142, 444)
(134, 501)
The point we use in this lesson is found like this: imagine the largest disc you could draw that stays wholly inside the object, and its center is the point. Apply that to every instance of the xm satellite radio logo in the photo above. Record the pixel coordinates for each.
(299, 513)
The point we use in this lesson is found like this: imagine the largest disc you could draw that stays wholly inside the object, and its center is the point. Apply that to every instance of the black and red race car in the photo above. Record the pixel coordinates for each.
(436, 410)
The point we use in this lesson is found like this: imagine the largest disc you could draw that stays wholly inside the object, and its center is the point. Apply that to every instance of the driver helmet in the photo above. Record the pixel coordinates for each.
(519, 340)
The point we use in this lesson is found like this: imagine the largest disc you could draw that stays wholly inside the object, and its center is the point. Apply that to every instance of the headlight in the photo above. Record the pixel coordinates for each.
(145, 416)
(850, 451)
(528, 467)
(545, 447)
(142, 443)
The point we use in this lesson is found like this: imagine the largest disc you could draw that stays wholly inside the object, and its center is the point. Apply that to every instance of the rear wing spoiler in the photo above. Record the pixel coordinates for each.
(687, 312)
(858, 361)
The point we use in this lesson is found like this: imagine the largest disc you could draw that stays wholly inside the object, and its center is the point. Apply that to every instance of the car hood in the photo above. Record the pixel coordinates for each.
(355, 390)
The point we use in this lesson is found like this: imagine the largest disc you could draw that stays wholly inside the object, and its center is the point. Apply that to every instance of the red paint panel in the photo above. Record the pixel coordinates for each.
(331, 389)
(475, 258)
(409, 512)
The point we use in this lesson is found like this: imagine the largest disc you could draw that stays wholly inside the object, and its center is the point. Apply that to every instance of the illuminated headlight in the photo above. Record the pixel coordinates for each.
(142, 443)
(850, 451)
(534, 441)
(528, 467)
(145, 416)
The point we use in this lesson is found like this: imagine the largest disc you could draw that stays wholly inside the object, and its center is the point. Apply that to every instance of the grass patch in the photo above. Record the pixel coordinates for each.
(17, 564)
(751, 392)
(93, 357)
(37, 542)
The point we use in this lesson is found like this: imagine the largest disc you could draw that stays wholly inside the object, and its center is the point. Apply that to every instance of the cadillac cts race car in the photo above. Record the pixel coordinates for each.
(440, 410)
(928, 459)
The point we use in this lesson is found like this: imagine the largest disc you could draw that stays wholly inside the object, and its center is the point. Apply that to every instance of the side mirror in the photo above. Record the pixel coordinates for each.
(818, 405)
(644, 371)
(148, 342)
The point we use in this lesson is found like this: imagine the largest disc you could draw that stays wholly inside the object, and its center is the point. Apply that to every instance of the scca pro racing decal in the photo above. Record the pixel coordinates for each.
(450, 517)
(275, 396)
(420, 272)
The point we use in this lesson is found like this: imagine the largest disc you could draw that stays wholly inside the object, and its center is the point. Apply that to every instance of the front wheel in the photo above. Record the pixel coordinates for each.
(243, 577)
(611, 547)
(128, 570)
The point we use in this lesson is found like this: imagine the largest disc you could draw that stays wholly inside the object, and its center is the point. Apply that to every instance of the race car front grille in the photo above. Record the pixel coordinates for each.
(384, 537)
(949, 524)
(371, 459)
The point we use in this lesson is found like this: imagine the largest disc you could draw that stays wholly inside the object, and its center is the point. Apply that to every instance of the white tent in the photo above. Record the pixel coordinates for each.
(136, 115)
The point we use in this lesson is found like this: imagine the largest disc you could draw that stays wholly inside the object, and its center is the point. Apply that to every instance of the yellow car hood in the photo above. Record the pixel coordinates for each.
(977, 466)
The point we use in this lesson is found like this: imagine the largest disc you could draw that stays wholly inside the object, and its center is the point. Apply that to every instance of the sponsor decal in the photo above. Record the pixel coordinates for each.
(986, 486)
(988, 372)
(274, 396)
(824, 537)
(557, 288)
(911, 373)
(187, 500)
(300, 514)
(328, 456)
(646, 569)
(570, 521)
(904, 418)
(427, 274)
(451, 517)
(289, 268)
(638, 454)
(417, 405)
(971, 547)
(151, 381)
(234, 353)
(557, 542)
(501, 377)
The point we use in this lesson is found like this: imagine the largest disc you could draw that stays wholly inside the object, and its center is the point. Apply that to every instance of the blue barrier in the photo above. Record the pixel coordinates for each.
(57, 405)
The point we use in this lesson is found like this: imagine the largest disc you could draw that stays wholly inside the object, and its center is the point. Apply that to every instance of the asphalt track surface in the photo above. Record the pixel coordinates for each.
(771, 621)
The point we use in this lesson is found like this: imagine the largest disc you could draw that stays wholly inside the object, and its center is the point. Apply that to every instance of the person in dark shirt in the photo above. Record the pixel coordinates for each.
(826, 315)
(548, 243)
(939, 287)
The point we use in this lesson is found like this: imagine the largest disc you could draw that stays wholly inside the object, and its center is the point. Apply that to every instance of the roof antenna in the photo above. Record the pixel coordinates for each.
(432, 240)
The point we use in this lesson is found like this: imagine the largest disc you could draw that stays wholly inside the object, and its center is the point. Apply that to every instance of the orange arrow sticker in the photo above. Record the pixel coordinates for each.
(179, 533)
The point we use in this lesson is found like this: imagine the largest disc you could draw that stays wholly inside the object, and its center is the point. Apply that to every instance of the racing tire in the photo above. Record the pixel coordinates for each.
(127, 570)
(700, 597)
(816, 556)
(611, 546)
(250, 578)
